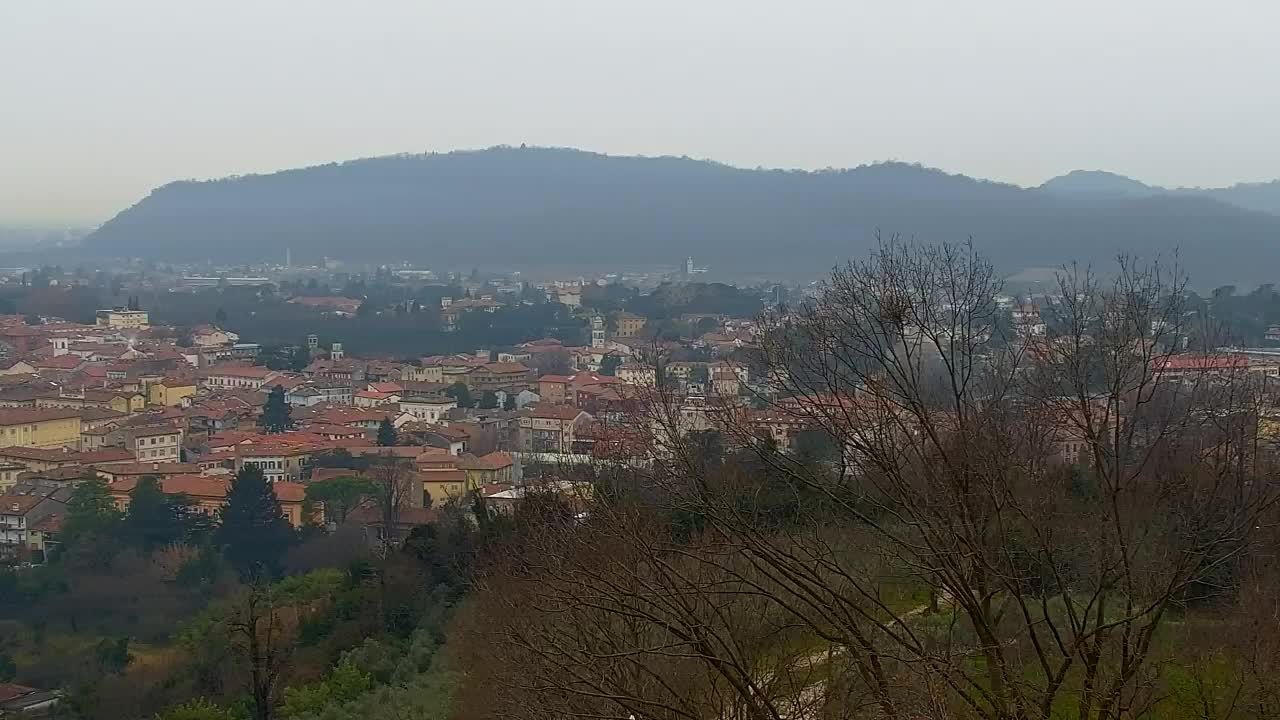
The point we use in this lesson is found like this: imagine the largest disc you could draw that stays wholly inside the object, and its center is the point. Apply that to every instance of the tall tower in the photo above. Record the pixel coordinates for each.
(288, 258)
(597, 331)
(688, 265)
(335, 351)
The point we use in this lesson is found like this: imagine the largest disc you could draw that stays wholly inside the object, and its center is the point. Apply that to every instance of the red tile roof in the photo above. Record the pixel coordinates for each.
(19, 504)
(553, 412)
(59, 362)
(201, 486)
(139, 469)
(240, 371)
(492, 461)
(49, 523)
(1205, 362)
(22, 416)
(443, 476)
(505, 367)
(106, 455)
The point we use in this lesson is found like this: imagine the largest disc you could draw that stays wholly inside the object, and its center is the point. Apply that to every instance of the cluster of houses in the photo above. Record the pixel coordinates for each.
(124, 399)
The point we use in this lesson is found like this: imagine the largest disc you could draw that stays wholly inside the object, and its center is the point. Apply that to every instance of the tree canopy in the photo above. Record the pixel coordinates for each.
(277, 417)
(254, 533)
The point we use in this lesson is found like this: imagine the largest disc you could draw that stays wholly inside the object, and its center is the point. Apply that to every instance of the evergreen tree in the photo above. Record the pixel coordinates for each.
(610, 364)
(387, 433)
(459, 391)
(254, 532)
(489, 400)
(276, 414)
(220, 317)
(299, 359)
(150, 520)
(341, 495)
(90, 511)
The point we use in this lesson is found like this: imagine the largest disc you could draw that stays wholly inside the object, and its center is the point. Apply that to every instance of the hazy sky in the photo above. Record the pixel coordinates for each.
(101, 100)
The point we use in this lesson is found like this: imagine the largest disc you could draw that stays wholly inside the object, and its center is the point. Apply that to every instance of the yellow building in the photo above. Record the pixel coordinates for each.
(40, 427)
(122, 319)
(496, 467)
(630, 325)
(441, 486)
(209, 495)
(170, 392)
(129, 403)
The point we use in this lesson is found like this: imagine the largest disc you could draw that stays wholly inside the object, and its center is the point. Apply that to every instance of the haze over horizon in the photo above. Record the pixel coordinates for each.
(106, 101)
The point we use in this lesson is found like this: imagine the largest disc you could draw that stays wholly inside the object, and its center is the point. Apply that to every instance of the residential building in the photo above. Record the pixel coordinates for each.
(374, 398)
(550, 428)
(9, 474)
(496, 467)
(123, 319)
(445, 437)
(427, 408)
(637, 374)
(39, 458)
(18, 513)
(207, 336)
(122, 401)
(315, 393)
(443, 485)
(124, 471)
(1191, 366)
(159, 444)
(210, 495)
(278, 463)
(40, 428)
(630, 325)
(23, 701)
(239, 377)
(171, 392)
(509, 377)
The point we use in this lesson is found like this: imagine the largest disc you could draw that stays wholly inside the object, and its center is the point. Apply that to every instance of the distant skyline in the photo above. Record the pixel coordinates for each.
(104, 101)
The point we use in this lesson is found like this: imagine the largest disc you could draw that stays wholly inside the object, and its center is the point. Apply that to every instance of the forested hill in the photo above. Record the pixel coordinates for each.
(1263, 196)
(517, 207)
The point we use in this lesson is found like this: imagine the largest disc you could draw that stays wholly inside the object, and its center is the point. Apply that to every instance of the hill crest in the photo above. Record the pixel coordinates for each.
(510, 207)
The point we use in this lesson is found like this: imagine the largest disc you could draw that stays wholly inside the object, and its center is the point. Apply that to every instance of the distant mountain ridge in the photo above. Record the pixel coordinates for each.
(1262, 196)
(554, 208)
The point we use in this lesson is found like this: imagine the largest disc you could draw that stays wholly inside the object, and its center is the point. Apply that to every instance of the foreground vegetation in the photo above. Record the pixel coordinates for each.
(996, 527)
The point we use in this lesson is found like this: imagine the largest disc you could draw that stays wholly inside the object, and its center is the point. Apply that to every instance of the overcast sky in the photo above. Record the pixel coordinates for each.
(101, 100)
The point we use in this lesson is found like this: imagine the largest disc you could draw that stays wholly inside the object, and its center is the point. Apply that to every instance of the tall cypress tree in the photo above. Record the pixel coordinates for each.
(151, 521)
(387, 433)
(276, 415)
(90, 511)
(254, 533)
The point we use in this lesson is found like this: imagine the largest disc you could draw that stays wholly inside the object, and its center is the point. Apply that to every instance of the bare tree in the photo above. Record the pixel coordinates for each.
(261, 634)
(397, 487)
(1007, 523)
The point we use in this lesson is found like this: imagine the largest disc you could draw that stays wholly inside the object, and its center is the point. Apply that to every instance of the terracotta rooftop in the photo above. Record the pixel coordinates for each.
(200, 486)
(140, 469)
(22, 416)
(492, 461)
(240, 371)
(19, 504)
(552, 412)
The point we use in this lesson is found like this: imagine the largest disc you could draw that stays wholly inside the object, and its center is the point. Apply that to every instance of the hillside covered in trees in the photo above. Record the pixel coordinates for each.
(526, 207)
(1262, 196)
